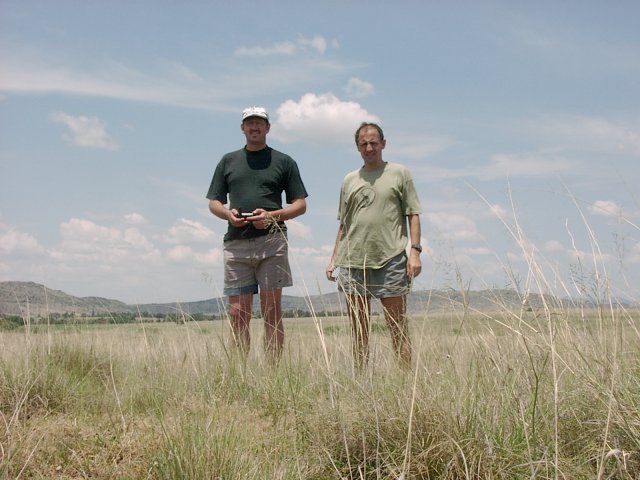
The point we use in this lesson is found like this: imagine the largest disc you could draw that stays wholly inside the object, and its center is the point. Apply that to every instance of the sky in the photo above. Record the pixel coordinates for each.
(519, 121)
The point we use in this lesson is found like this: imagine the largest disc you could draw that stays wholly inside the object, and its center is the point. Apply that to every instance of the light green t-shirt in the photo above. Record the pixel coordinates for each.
(373, 210)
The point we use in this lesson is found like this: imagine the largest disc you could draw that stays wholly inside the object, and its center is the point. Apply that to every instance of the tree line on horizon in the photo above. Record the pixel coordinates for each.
(11, 322)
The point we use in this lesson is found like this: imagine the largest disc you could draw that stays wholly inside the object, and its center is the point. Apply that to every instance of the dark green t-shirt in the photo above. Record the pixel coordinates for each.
(250, 180)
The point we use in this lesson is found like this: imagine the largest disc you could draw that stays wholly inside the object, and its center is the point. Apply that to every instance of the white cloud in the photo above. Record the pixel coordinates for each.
(103, 257)
(322, 250)
(621, 138)
(500, 166)
(84, 231)
(317, 43)
(319, 118)
(635, 253)
(310, 259)
(133, 237)
(135, 219)
(86, 131)
(523, 165)
(13, 241)
(180, 253)
(184, 190)
(499, 211)
(359, 88)
(592, 257)
(171, 84)
(606, 208)
(187, 231)
(213, 257)
(455, 225)
(108, 254)
(299, 230)
(416, 147)
(592, 133)
(552, 246)
(283, 48)
(115, 259)
(167, 82)
(473, 251)
(184, 254)
(515, 257)
(434, 173)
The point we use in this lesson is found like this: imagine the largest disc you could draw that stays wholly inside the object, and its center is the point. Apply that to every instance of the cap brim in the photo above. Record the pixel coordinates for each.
(255, 116)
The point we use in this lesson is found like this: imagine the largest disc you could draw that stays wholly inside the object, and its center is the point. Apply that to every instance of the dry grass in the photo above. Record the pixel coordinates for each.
(550, 394)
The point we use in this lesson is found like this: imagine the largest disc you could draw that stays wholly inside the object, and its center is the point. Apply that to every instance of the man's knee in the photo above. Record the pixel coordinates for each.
(240, 307)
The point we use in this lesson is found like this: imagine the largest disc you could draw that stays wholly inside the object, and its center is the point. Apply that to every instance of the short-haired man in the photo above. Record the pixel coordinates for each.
(377, 201)
(255, 245)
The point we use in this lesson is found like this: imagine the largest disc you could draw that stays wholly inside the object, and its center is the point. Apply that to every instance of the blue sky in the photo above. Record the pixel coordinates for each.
(519, 121)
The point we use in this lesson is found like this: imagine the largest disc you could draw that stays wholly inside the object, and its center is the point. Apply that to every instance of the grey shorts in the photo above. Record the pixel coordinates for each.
(389, 281)
(256, 262)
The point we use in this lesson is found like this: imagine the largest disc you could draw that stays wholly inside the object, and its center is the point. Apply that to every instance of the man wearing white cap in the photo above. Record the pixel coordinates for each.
(256, 258)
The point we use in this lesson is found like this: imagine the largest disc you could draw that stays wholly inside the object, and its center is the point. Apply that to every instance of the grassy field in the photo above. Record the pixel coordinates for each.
(538, 395)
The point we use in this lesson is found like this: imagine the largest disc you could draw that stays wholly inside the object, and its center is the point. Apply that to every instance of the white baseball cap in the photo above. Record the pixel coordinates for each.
(255, 112)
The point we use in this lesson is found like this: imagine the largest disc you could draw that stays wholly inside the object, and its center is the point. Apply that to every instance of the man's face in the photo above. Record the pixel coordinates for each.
(255, 129)
(370, 146)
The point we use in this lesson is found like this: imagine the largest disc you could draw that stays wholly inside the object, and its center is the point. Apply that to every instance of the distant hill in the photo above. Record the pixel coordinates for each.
(29, 298)
(36, 300)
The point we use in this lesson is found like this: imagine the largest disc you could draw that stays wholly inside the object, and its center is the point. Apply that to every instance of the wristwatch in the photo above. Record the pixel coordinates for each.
(417, 246)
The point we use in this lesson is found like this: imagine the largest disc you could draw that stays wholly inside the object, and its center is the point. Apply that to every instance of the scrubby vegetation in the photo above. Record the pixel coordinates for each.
(502, 395)
(539, 390)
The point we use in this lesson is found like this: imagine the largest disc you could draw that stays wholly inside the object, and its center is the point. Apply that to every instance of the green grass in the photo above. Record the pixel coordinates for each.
(502, 395)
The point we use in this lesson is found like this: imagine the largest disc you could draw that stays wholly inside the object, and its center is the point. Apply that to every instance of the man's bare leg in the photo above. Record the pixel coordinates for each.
(359, 313)
(395, 315)
(271, 305)
(240, 307)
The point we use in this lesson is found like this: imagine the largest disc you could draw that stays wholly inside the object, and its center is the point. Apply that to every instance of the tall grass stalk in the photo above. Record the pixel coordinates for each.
(480, 403)
(547, 390)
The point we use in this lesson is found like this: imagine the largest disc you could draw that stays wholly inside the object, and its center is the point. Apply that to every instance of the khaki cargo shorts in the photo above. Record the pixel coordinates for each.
(253, 263)
(391, 280)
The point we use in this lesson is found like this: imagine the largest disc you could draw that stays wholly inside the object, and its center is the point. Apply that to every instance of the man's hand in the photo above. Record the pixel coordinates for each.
(414, 264)
(330, 268)
(236, 219)
(261, 219)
